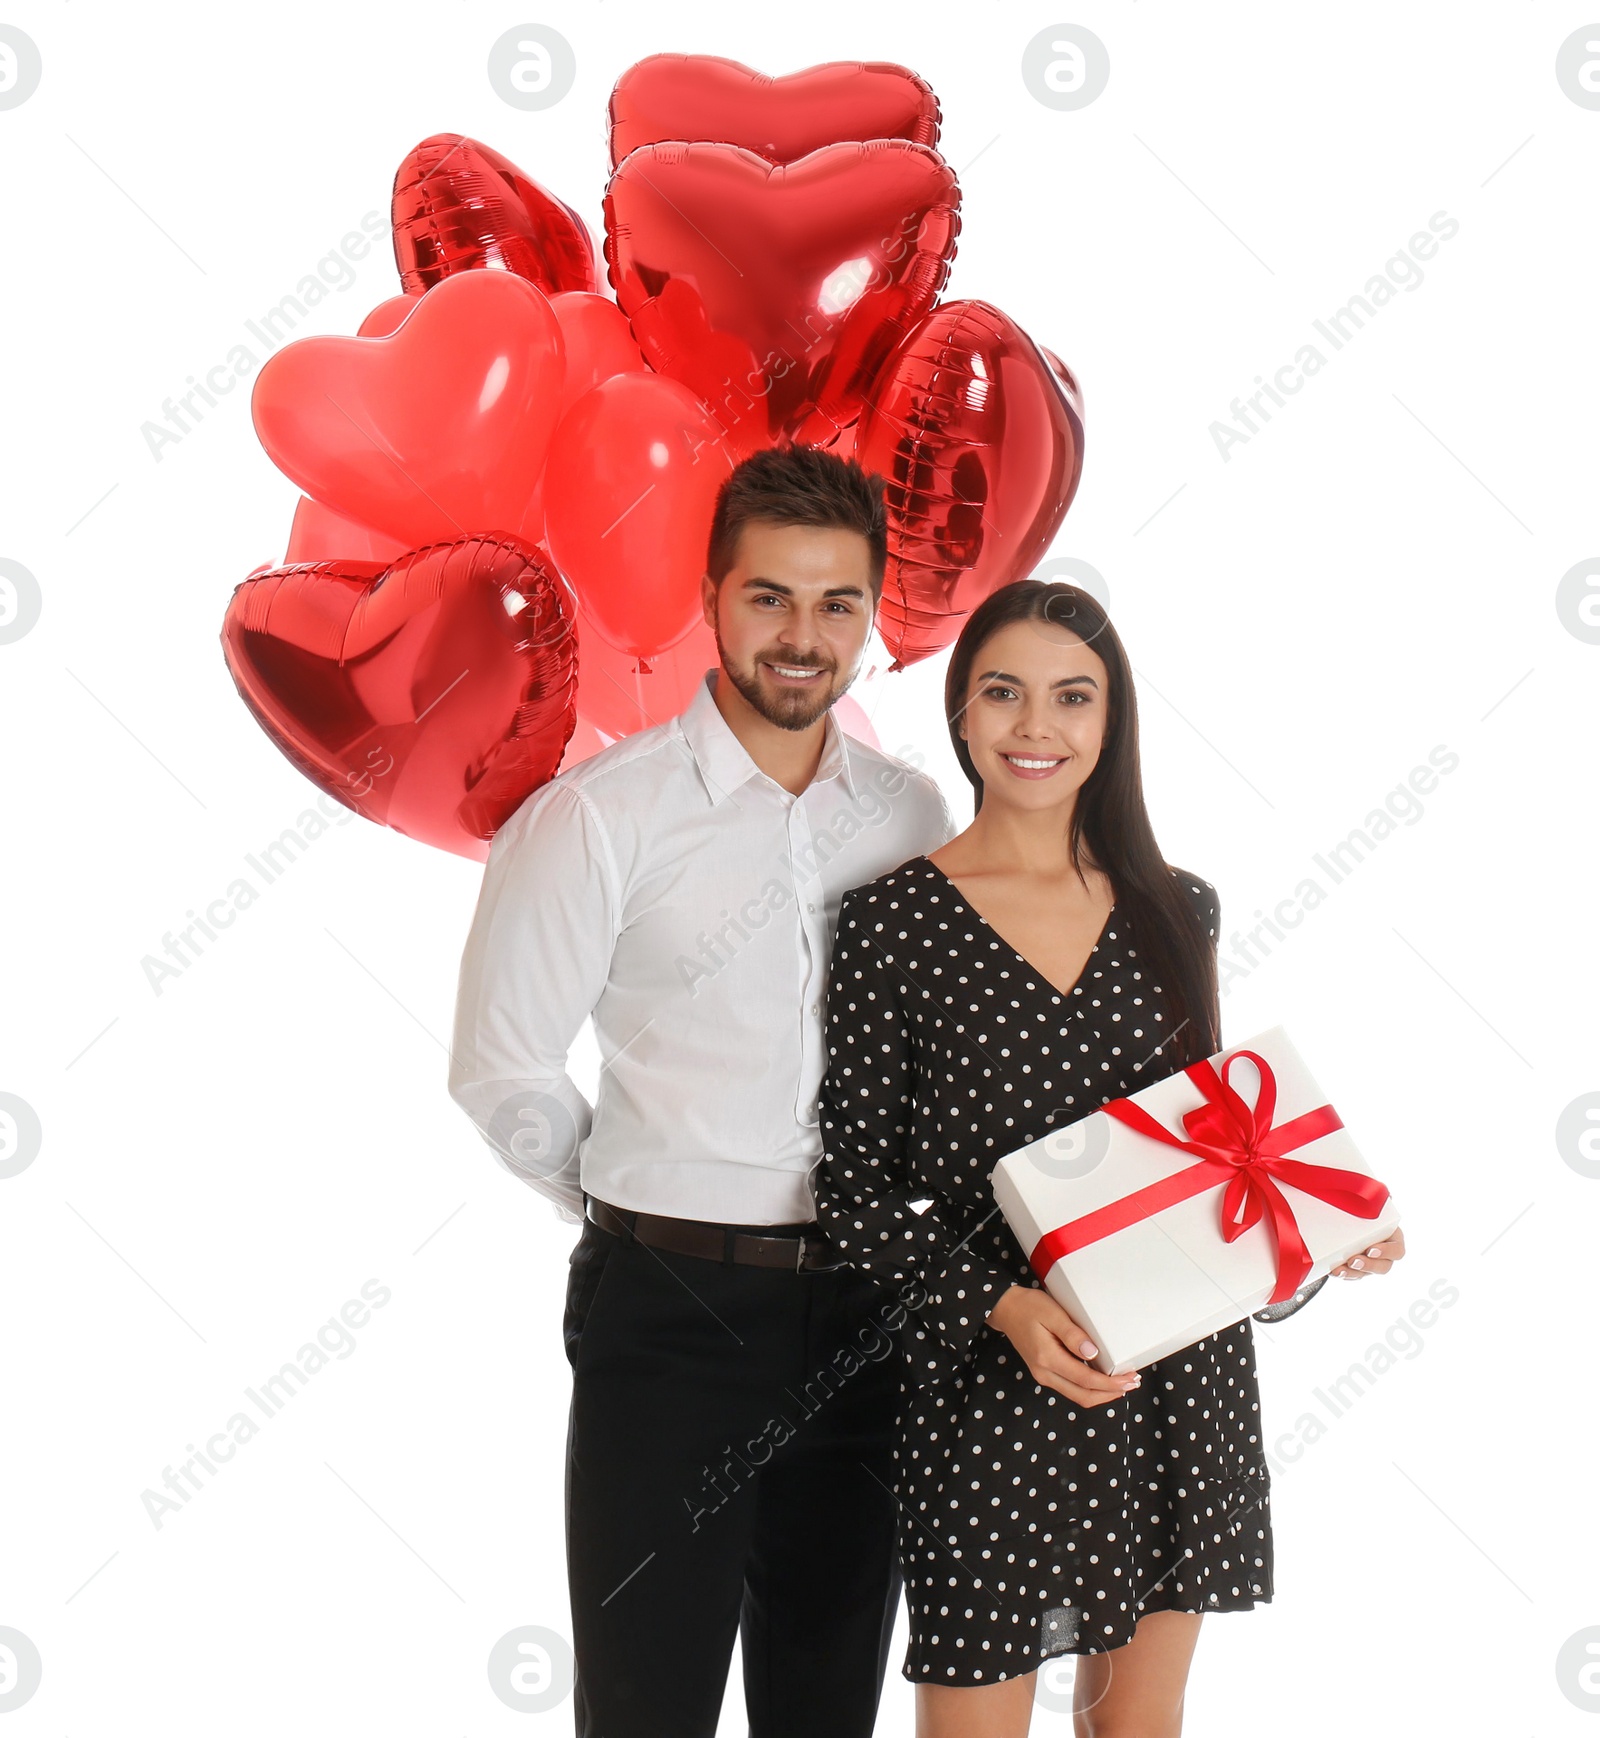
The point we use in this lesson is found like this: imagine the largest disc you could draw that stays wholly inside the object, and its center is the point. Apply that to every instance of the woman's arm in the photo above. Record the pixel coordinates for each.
(864, 1183)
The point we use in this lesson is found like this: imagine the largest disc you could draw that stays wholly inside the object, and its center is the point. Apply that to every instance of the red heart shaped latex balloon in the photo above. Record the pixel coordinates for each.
(431, 695)
(436, 431)
(980, 447)
(387, 316)
(701, 96)
(619, 696)
(775, 294)
(317, 533)
(597, 341)
(629, 492)
(458, 205)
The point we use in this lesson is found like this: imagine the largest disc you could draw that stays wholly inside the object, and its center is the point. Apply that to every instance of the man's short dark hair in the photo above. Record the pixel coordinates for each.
(799, 485)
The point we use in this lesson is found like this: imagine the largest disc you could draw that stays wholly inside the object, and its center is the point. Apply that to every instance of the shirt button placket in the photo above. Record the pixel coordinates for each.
(807, 891)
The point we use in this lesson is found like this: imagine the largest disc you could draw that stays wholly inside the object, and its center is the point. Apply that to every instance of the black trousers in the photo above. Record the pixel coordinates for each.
(729, 1472)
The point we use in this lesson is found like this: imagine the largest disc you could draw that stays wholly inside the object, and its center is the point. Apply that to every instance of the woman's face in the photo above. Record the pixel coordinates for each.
(1035, 716)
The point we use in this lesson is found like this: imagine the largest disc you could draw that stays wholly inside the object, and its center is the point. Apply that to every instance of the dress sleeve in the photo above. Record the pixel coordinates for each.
(1208, 906)
(1290, 1305)
(865, 1184)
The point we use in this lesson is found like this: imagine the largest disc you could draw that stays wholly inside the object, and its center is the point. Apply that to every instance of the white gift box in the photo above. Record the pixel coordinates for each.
(1167, 1280)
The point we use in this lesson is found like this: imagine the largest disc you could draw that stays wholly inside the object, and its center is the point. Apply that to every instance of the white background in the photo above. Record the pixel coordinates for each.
(1373, 574)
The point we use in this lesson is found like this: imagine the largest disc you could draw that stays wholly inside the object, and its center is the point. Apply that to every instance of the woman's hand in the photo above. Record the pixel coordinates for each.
(1378, 1259)
(1048, 1340)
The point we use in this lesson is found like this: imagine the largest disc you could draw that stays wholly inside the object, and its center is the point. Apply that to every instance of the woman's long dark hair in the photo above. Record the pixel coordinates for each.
(1109, 817)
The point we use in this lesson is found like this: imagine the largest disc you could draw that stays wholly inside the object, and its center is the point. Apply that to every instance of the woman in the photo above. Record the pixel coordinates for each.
(1043, 962)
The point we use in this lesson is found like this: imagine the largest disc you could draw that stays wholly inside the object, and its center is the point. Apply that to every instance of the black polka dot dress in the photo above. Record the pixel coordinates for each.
(1029, 1527)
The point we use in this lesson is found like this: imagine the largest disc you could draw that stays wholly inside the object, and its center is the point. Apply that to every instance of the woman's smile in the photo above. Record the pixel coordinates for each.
(1033, 765)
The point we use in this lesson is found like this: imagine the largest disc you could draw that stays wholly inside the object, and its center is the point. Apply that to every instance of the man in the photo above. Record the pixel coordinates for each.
(734, 1387)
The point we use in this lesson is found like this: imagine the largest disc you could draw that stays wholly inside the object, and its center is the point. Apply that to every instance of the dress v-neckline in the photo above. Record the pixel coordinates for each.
(1022, 959)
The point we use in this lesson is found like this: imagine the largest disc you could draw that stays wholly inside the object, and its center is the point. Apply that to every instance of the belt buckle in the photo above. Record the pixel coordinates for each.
(805, 1249)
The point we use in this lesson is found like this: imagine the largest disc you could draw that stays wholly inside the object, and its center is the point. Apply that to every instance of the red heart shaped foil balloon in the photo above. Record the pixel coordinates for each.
(775, 294)
(431, 696)
(702, 96)
(439, 429)
(458, 205)
(1069, 381)
(981, 447)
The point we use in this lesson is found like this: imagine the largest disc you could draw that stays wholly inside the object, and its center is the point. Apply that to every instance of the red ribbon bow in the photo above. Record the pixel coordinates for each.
(1236, 1144)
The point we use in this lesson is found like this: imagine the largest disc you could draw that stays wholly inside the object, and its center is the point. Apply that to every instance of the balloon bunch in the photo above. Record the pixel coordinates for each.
(504, 460)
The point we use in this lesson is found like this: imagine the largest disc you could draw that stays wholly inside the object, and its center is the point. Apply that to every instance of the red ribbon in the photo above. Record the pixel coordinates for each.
(1238, 1145)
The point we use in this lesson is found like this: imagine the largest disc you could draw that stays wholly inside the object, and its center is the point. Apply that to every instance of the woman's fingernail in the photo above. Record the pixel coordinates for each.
(1375, 1251)
(1089, 1349)
(1358, 1262)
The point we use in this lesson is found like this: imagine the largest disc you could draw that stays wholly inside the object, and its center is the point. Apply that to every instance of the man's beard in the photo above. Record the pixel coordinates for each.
(789, 709)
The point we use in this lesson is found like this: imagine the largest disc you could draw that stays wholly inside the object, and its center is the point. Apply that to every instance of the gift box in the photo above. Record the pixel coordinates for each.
(1177, 1211)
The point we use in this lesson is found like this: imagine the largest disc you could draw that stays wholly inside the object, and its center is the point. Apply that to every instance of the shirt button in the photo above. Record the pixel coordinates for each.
(813, 1007)
(810, 907)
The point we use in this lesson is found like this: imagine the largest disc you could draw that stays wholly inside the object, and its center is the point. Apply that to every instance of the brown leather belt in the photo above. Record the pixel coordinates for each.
(808, 1253)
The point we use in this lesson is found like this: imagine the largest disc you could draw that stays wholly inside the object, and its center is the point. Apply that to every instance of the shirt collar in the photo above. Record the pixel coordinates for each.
(725, 762)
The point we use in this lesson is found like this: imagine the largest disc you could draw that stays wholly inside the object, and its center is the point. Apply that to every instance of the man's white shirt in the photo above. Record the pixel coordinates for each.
(686, 900)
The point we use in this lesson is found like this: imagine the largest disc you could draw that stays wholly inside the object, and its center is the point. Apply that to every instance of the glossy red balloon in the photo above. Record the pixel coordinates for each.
(854, 721)
(616, 697)
(386, 317)
(438, 430)
(458, 205)
(702, 96)
(598, 343)
(629, 490)
(1069, 381)
(584, 742)
(843, 443)
(981, 449)
(619, 697)
(431, 695)
(775, 294)
(319, 534)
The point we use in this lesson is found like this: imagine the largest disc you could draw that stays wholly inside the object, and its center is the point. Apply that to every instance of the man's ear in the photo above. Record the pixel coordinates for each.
(708, 600)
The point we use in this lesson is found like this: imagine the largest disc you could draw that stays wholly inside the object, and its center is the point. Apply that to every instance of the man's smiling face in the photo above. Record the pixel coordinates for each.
(791, 617)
